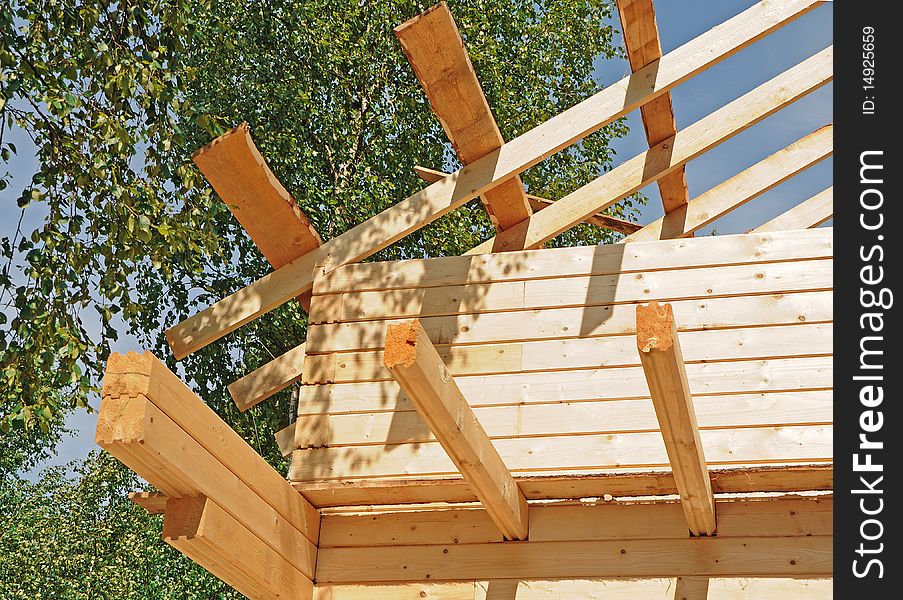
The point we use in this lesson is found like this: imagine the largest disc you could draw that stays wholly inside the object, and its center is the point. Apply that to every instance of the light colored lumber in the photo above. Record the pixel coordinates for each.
(741, 188)
(691, 588)
(811, 213)
(606, 259)
(269, 379)
(579, 321)
(537, 203)
(641, 39)
(599, 290)
(574, 454)
(780, 341)
(417, 367)
(774, 516)
(514, 157)
(639, 171)
(153, 502)
(366, 492)
(434, 48)
(200, 529)
(134, 374)
(714, 556)
(663, 363)
(267, 212)
(135, 431)
(538, 420)
(584, 589)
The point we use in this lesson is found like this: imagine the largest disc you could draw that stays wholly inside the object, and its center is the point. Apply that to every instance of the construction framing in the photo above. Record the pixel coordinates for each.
(647, 419)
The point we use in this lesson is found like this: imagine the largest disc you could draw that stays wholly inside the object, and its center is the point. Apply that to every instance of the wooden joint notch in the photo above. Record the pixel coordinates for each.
(663, 365)
(417, 367)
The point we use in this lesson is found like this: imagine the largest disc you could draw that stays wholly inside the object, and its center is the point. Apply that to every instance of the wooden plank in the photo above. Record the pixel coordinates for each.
(712, 556)
(537, 203)
(475, 179)
(811, 213)
(640, 31)
(139, 434)
(414, 364)
(199, 528)
(691, 588)
(538, 420)
(585, 589)
(134, 374)
(663, 362)
(434, 48)
(649, 166)
(267, 212)
(706, 379)
(153, 502)
(597, 290)
(780, 341)
(762, 517)
(269, 379)
(741, 188)
(575, 453)
(608, 259)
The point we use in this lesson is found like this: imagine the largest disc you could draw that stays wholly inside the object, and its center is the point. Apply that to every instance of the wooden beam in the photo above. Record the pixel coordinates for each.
(644, 47)
(537, 203)
(691, 588)
(200, 529)
(269, 379)
(268, 213)
(434, 48)
(663, 159)
(741, 188)
(806, 215)
(482, 175)
(663, 363)
(153, 502)
(416, 366)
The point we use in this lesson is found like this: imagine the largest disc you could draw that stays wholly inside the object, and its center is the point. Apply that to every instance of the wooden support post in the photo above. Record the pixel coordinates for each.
(414, 363)
(663, 365)
(691, 588)
(274, 221)
(806, 215)
(475, 179)
(198, 528)
(644, 47)
(741, 188)
(434, 48)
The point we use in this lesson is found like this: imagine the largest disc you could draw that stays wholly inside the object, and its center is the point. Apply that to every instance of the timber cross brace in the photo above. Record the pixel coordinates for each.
(645, 419)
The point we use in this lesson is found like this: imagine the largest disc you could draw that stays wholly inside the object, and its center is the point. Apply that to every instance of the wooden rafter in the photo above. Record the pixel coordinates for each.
(269, 379)
(806, 215)
(268, 213)
(538, 203)
(414, 363)
(648, 166)
(200, 529)
(434, 48)
(473, 180)
(741, 188)
(663, 363)
(644, 47)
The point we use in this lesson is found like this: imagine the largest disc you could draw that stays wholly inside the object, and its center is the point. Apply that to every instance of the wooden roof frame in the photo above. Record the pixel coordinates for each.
(230, 512)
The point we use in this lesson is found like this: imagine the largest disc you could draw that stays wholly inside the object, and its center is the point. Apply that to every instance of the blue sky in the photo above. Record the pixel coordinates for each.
(679, 21)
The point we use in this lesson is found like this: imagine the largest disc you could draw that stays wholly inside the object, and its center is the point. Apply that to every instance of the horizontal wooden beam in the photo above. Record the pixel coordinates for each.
(741, 188)
(649, 166)
(198, 528)
(511, 159)
(434, 48)
(537, 203)
(417, 367)
(811, 213)
(267, 212)
(641, 39)
(663, 362)
(153, 502)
